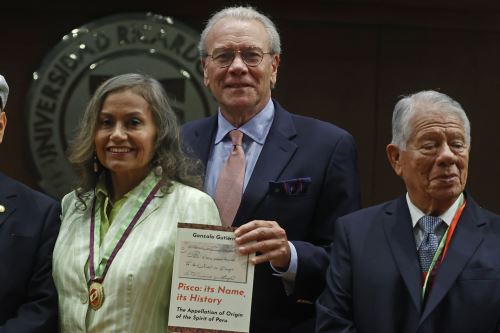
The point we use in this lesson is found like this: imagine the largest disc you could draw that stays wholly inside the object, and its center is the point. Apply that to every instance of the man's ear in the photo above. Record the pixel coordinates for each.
(3, 124)
(205, 74)
(274, 74)
(394, 157)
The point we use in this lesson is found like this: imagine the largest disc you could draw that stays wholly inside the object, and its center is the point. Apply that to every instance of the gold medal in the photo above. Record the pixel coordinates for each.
(96, 295)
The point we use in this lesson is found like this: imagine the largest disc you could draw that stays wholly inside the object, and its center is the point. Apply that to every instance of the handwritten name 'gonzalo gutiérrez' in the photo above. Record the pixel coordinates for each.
(211, 236)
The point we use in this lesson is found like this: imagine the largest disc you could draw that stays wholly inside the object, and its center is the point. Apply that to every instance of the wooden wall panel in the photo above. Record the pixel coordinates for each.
(329, 73)
(461, 64)
(344, 61)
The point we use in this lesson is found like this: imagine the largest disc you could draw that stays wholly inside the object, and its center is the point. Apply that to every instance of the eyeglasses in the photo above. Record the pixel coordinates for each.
(224, 57)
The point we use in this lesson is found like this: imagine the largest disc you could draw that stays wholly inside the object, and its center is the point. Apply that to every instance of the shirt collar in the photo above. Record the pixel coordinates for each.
(447, 216)
(256, 128)
(101, 189)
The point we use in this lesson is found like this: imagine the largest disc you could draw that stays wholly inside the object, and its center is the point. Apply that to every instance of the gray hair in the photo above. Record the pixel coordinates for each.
(168, 153)
(243, 13)
(4, 92)
(407, 106)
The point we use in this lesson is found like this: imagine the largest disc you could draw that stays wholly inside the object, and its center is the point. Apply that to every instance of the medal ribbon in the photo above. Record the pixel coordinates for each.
(124, 230)
(443, 247)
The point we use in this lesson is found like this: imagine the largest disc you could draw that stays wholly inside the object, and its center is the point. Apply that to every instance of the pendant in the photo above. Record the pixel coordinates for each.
(96, 295)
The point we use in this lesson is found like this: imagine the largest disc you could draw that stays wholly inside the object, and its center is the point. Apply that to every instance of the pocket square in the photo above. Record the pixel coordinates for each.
(297, 186)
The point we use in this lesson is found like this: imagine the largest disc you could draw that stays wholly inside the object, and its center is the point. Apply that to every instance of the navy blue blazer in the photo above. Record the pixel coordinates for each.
(28, 230)
(305, 178)
(374, 284)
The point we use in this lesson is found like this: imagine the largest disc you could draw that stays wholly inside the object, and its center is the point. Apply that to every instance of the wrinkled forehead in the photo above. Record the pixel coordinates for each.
(232, 32)
(427, 116)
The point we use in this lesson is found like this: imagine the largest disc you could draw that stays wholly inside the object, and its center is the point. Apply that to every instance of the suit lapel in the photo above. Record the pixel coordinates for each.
(204, 139)
(82, 239)
(274, 157)
(466, 239)
(8, 198)
(125, 216)
(153, 205)
(399, 233)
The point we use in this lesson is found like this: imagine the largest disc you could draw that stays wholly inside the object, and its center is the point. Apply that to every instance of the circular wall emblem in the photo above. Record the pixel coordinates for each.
(146, 43)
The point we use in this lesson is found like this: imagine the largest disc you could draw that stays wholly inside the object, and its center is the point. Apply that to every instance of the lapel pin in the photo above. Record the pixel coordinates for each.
(2, 209)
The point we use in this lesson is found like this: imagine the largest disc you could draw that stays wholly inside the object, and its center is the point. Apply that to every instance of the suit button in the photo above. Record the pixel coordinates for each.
(83, 299)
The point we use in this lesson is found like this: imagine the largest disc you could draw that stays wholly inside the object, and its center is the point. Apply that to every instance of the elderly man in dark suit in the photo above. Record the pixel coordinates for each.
(29, 222)
(282, 179)
(428, 262)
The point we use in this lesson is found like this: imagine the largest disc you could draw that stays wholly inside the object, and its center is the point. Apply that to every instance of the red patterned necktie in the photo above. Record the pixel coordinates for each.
(229, 187)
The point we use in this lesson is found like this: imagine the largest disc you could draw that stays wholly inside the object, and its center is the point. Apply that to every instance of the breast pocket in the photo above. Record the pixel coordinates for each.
(479, 273)
(291, 187)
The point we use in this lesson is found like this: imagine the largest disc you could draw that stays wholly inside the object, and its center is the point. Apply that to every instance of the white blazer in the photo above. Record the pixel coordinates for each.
(137, 284)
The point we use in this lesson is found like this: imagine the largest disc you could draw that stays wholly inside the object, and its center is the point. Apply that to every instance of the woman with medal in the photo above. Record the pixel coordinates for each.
(114, 254)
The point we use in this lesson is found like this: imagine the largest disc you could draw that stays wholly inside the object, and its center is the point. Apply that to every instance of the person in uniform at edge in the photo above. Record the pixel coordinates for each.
(280, 178)
(29, 222)
(136, 184)
(429, 261)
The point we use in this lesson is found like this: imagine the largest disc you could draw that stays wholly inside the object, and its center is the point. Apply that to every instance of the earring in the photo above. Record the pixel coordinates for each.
(158, 170)
(96, 164)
